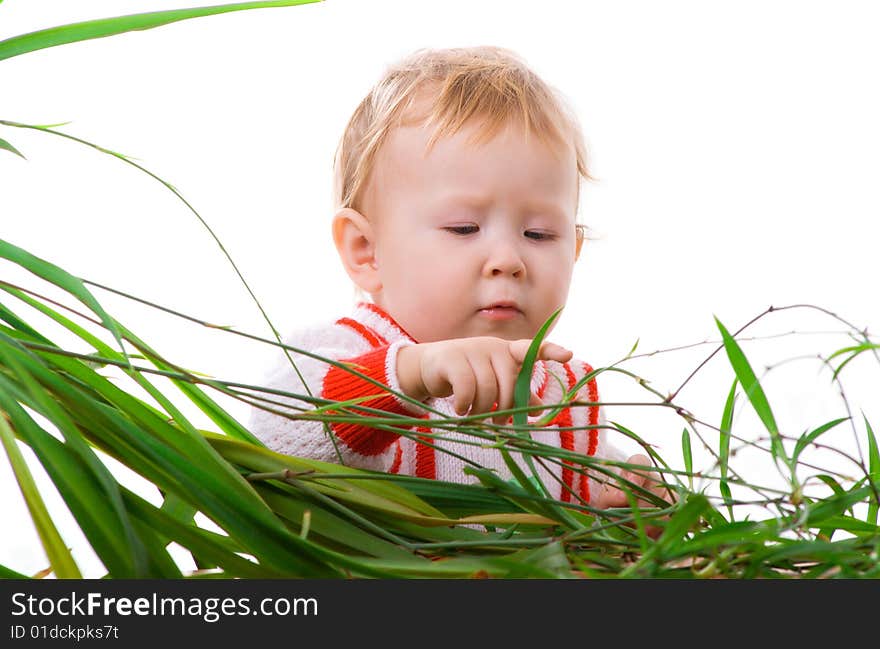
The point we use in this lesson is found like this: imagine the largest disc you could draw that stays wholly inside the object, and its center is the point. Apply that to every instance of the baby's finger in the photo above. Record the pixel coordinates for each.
(505, 373)
(548, 351)
(518, 349)
(464, 387)
(486, 393)
(644, 477)
(553, 352)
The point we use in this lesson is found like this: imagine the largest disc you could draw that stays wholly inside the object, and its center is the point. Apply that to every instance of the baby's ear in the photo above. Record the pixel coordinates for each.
(355, 241)
(579, 239)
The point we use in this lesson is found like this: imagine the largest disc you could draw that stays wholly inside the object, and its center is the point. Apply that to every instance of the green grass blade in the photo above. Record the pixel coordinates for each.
(753, 390)
(873, 472)
(198, 541)
(851, 525)
(343, 535)
(456, 500)
(8, 147)
(746, 534)
(215, 412)
(62, 279)
(856, 350)
(724, 447)
(103, 27)
(260, 460)
(522, 387)
(227, 423)
(521, 396)
(542, 504)
(86, 498)
(687, 456)
(177, 461)
(670, 541)
(550, 557)
(819, 512)
(129, 557)
(806, 439)
(9, 573)
(56, 550)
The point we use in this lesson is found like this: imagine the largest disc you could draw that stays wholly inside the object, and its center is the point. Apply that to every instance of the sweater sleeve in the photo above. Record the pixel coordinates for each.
(346, 443)
(582, 428)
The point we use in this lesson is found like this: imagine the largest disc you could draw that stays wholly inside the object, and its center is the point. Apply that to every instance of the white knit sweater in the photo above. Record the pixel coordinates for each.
(371, 339)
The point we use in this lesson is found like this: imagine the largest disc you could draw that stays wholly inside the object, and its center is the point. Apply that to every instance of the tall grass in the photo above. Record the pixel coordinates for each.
(282, 516)
(82, 412)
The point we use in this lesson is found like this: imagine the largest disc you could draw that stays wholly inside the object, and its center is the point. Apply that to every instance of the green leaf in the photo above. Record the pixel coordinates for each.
(753, 390)
(550, 557)
(9, 573)
(80, 476)
(675, 529)
(849, 524)
(873, 471)
(62, 279)
(118, 25)
(198, 541)
(6, 145)
(327, 524)
(522, 389)
(688, 458)
(806, 439)
(724, 446)
(522, 393)
(175, 460)
(738, 533)
(683, 520)
(819, 512)
(856, 350)
(634, 347)
(56, 550)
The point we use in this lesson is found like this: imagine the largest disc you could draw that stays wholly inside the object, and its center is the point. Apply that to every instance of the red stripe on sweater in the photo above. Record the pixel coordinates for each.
(426, 465)
(593, 392)
(593, 419)
(369, 335)
(566, 438)
(585, 487)
(398, 458)
(341, 385)
(545, 383)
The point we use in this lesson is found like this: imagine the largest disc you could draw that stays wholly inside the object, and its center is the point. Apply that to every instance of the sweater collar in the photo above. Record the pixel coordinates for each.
(381, 322)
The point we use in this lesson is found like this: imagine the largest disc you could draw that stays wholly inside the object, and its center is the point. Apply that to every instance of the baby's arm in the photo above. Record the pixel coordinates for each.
(351, 444)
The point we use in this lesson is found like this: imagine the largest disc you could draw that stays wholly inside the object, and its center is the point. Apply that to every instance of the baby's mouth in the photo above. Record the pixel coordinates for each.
(501, 311)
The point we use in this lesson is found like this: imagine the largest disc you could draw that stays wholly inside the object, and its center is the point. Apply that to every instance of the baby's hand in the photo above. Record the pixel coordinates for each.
(478, 371)
(612, 495)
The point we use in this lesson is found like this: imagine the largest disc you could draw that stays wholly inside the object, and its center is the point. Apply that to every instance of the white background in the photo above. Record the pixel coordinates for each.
(734, 146)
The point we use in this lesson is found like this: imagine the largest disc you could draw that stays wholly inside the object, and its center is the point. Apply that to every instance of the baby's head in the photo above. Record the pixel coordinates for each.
(457, 183)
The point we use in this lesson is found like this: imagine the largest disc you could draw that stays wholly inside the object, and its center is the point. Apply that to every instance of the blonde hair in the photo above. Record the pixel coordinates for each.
(488, 82)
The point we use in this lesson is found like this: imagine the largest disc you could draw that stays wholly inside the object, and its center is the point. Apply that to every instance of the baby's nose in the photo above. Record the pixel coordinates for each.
(505, 260)
(505, 270)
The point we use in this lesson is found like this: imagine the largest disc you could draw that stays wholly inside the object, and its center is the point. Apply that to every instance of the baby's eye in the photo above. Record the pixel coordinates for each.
(462, 229)
(537, 235)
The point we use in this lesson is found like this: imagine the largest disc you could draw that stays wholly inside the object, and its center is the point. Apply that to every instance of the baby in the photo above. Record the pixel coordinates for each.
(457, 184)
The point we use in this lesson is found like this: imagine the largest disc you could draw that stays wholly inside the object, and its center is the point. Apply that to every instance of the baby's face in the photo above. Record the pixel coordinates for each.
(472, 240)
